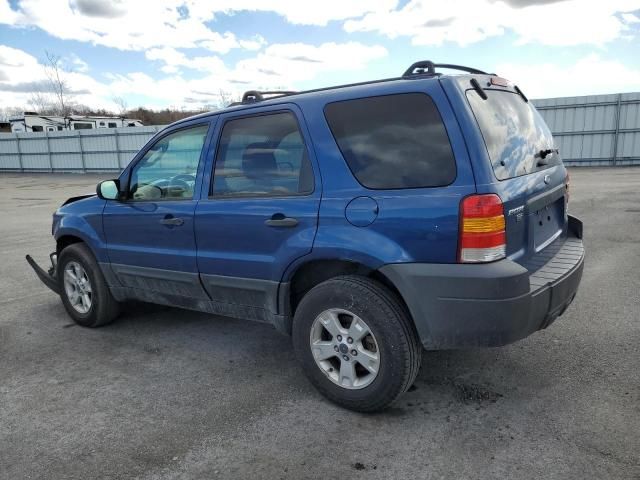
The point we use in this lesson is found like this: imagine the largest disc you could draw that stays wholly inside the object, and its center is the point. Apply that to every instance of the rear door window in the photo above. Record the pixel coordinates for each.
(393, 141)
(514, 133)
(262, 156)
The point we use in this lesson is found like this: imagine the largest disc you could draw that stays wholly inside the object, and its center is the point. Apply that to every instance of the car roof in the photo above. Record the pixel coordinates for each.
(423, 70)
(282, 99)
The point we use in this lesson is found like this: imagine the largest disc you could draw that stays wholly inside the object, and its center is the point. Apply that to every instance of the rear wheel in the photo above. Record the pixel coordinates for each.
(356, 343)
(83, 290)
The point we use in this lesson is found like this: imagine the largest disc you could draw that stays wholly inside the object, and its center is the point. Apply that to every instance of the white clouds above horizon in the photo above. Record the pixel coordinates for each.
(169, 23)
(299, 12)
(278, 65)
(134, 26)
(590, 75)
(182, 23)
(178, 38)
(562, 23)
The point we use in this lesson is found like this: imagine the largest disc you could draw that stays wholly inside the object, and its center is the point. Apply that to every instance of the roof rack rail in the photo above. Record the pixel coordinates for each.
(252, 96)
(429, 68)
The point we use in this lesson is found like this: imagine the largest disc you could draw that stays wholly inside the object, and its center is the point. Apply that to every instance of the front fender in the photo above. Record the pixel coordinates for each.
(83, 219)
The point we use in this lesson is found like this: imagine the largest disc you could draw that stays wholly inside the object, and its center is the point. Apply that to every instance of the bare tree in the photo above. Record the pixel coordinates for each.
(56, 75)
(122, 105)
(225, 98)
(40, 102)
(6, 112)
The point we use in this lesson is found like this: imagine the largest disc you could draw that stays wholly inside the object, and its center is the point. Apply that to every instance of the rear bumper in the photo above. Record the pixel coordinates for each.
(458, 306)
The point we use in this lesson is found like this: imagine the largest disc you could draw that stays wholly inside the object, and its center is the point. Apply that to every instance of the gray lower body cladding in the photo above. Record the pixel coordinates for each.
(466, 305)
(245, 298)
(452, 305)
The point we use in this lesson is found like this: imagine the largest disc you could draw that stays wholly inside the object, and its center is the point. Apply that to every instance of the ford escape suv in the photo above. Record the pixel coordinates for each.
(368, 221)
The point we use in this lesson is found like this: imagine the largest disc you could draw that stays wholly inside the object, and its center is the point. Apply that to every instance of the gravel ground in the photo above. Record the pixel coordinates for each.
(167, 394)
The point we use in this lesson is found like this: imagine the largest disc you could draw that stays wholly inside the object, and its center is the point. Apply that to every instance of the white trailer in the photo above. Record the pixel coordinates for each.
(33, 122)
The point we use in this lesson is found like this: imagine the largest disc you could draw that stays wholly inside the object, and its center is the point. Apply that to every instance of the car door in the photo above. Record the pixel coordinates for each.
(150, 235)
(261, 209)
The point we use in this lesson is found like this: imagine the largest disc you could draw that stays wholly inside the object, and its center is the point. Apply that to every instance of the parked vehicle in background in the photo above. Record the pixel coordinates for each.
(367, 221)
(33, 122)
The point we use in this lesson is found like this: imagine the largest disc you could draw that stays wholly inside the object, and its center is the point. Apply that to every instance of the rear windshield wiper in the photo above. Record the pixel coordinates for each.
(542, 155)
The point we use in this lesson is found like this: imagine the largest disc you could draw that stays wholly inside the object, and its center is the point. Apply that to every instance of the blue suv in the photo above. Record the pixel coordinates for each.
(368, 221)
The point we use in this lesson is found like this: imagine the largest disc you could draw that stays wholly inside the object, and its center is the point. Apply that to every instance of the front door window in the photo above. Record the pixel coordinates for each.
(168, 169)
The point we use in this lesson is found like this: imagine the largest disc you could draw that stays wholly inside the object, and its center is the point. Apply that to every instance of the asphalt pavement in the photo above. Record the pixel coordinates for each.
(169, 394)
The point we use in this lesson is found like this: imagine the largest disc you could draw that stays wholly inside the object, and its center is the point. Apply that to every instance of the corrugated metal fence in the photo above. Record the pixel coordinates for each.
(591, 130)
(72, 150)
(596, 129)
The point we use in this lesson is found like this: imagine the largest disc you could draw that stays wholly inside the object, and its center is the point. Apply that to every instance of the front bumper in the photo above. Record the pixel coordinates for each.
(459, 306)
(50, 277)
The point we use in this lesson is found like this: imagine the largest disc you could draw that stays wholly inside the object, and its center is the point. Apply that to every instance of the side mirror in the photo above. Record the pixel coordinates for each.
(109, 190)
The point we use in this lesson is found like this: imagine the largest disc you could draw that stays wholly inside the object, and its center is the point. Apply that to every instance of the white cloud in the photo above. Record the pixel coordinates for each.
(570, 22)
(630, 18)
(169, 23)
(131, 26)
(299, 12)
(167, 31)
(7, 15)
(174, 59)
(279, 65)
(77, 64)
(255, 43)
(183, 23)
(591, 75)
(21, 74)
(287, 64)
(18, 66)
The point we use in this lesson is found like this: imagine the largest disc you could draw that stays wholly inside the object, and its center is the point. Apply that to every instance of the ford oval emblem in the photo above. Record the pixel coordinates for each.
(547, 179)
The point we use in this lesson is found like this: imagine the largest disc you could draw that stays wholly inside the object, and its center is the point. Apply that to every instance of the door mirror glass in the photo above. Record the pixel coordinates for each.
(108, 190)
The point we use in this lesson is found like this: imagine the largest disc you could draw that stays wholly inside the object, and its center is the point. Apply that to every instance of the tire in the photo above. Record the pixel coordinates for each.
(396, 343)
(101, 308)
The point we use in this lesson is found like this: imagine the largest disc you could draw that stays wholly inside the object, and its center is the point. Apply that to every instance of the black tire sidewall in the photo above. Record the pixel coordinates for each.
(381, 318)
(80, 254)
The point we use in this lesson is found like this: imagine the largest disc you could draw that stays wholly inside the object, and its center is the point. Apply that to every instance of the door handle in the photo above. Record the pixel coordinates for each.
(279, 220)
(171, 221)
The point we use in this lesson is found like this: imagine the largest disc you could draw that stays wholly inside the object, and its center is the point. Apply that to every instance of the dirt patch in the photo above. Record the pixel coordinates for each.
(152, 350)
(470, 393)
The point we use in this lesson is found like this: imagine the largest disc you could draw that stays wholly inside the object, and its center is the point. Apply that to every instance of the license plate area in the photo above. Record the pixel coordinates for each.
(547, 223)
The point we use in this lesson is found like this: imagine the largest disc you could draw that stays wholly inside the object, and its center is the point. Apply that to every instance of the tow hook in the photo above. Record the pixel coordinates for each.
(50, 277)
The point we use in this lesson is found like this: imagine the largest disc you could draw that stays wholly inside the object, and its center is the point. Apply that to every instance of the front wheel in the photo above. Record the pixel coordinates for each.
(356, 343)
(83, 290)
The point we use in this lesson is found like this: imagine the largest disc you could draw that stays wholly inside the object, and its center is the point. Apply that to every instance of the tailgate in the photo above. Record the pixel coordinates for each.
(535, 208)
(527, 170)
(547, 216)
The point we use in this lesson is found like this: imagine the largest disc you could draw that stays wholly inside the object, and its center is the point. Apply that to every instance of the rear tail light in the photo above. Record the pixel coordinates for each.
(482, 229)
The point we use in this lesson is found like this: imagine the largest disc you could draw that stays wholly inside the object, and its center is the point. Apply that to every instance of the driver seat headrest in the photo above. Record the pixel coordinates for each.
(258, 161)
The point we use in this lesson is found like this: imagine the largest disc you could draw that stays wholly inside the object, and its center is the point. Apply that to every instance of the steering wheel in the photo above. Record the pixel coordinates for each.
(179, 184)
(184, 177)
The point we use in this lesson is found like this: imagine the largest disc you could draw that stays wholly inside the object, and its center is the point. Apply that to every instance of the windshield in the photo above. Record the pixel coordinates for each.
(514, 133)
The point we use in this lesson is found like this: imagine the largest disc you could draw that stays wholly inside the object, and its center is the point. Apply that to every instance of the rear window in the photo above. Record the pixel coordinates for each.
(393, 141)
(514, 133)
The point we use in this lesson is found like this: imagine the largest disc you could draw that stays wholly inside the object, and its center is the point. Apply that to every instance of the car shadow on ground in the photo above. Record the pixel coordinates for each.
(474, 379)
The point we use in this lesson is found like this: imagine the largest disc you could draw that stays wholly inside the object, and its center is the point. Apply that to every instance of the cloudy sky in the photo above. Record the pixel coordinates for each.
(183, 53)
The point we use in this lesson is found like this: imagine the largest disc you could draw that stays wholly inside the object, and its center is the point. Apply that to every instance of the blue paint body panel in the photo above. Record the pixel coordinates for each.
(233, 239)
(416, 228)
(362, 211)
(83, 219)
(228, 236)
